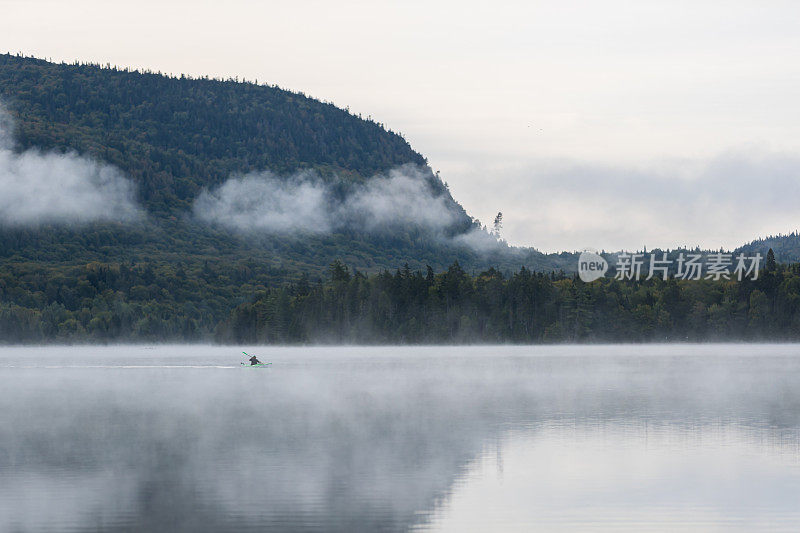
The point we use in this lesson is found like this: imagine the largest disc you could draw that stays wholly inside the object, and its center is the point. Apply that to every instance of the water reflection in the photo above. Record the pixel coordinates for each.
(619, 477)
(388, 439)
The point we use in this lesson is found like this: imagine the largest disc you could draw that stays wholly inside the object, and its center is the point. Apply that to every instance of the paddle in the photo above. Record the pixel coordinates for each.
(259, 362)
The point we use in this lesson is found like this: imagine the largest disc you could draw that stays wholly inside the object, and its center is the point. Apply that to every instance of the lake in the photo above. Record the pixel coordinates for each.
(481, 438)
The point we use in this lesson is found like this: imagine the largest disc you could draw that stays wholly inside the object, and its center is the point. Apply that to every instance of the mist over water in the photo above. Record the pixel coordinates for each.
(391, 439)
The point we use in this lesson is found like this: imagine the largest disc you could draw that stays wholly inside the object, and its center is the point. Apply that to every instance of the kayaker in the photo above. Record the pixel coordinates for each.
(254, 361)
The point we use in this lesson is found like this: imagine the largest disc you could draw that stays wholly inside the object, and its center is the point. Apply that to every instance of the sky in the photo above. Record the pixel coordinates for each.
(611, 125)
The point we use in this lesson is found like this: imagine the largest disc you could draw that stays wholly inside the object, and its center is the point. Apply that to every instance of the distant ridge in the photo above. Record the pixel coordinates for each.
(786, 247)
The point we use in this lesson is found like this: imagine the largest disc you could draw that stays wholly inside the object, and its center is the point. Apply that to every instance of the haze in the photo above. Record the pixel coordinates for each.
(50, 187)
(570, 117)
(483, 438)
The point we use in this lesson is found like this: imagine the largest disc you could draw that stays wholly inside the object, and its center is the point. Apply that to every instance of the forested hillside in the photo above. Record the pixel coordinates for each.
(785, 247)
(168, 272)
(173, 136)
(176, 137)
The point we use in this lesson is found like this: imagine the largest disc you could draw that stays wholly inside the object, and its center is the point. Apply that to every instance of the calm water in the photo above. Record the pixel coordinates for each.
(396, 439)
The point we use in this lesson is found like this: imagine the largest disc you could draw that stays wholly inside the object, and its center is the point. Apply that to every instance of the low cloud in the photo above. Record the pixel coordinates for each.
(402, 197)
(481, 240)
(265, 202)
(304, 203)
(723, 201)
(38, 187)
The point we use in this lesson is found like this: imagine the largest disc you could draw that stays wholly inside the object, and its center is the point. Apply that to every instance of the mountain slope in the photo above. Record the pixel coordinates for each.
(173, 136)
(177, 137)
(73, 272)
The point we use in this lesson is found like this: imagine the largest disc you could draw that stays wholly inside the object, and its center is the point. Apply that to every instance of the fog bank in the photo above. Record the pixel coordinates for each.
(305, 203)
(47, 187)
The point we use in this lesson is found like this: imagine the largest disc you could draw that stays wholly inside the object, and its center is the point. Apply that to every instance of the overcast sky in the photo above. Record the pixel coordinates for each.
(602, 124)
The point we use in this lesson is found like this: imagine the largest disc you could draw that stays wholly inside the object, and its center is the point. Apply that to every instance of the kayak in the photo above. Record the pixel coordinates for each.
(256, 365)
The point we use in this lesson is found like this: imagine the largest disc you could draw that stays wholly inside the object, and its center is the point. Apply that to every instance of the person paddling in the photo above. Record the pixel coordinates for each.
(253, 359)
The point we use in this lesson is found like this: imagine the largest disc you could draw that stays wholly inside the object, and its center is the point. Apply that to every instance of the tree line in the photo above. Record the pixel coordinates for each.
(247, 301)
(408, 306)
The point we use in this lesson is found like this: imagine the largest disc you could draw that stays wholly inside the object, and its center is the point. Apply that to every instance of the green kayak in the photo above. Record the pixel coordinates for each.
(259, 364)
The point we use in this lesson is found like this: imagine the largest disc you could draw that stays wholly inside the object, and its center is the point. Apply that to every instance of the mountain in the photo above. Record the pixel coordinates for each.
(174, 138)
(134, 202)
